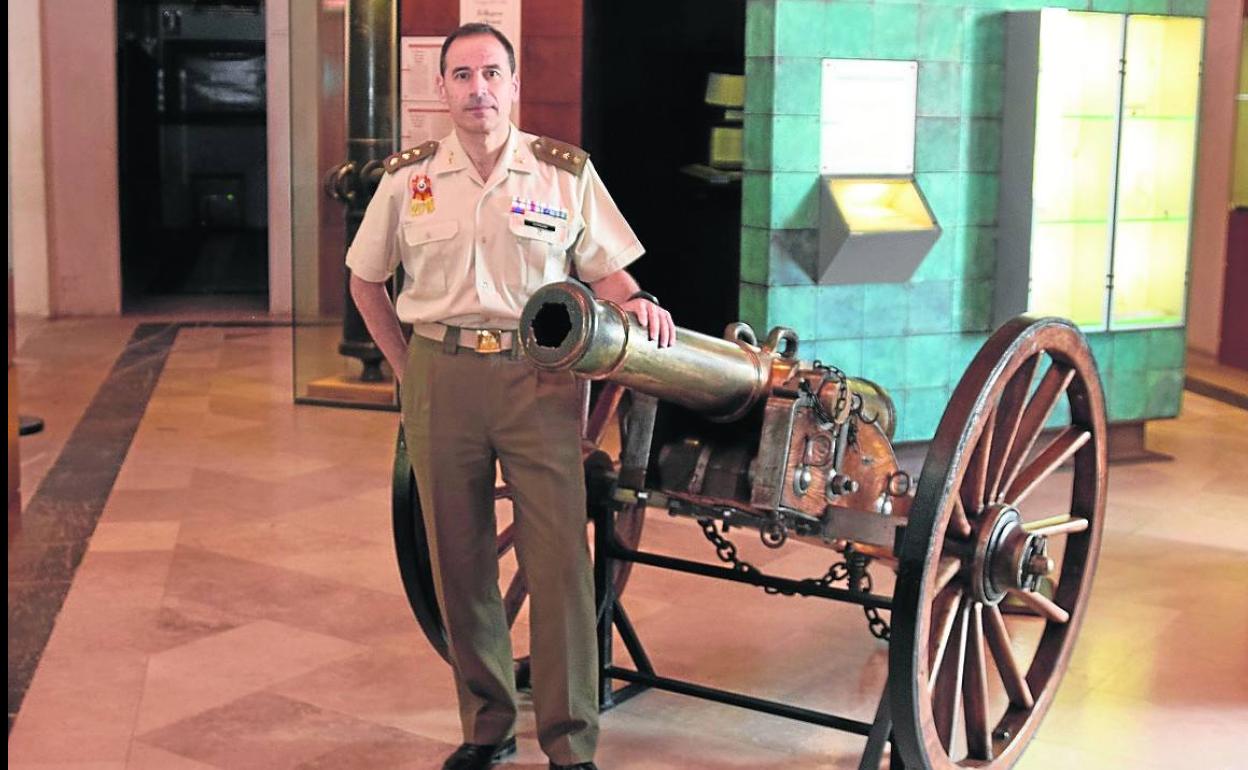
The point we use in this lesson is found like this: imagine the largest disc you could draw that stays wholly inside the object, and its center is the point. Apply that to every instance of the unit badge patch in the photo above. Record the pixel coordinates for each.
(422, 195)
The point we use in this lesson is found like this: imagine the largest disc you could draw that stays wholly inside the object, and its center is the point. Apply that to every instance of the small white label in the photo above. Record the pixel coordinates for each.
(867, 116)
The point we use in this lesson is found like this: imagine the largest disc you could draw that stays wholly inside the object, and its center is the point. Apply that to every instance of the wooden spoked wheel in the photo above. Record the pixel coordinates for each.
(999, 552)
(412, 546)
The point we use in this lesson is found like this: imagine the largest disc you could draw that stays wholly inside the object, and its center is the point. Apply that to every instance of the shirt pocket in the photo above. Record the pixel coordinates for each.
(542, 250)
(429, 252)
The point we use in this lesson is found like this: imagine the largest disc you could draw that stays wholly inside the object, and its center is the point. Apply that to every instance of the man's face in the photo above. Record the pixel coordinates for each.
(478, 86)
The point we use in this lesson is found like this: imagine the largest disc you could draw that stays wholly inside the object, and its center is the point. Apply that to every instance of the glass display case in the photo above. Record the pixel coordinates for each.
(1097, 167)
(318, 137)
(875, 226)
(1156, 170)
(1075, 136)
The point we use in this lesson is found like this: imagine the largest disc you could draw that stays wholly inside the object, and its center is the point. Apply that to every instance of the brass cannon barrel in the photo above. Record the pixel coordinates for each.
(564, 327)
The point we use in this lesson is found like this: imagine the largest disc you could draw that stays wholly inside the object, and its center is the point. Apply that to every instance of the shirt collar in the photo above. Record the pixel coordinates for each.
(517, 154)
(450, 157)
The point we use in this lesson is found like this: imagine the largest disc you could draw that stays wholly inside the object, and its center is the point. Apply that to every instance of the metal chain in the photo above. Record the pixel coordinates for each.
(854, 570)
(860, 581)
(726, 550)
(842, 382)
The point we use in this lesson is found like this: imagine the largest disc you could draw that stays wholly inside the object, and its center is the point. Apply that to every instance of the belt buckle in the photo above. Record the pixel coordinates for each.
(489, 341)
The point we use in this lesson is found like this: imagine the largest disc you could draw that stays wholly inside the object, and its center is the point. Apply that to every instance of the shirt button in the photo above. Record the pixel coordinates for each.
(482, 239)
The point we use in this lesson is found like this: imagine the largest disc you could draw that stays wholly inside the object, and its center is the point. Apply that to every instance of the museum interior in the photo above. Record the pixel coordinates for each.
(948, 471)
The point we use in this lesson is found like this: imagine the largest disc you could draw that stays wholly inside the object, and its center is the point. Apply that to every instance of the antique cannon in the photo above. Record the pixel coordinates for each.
(815, 442)
(994, 545)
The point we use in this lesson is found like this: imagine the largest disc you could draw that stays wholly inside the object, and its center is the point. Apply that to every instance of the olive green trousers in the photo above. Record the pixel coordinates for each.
(463, 411)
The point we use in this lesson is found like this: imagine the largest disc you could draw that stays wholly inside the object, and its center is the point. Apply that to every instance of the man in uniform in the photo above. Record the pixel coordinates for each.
(479, 221)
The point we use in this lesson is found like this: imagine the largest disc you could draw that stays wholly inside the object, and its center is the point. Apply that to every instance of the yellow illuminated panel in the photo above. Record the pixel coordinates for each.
(726, 146)
(1072, 196)
(725, 90)
(1155, 170)
(1065, 279)
(881, 205)
(1149, 280)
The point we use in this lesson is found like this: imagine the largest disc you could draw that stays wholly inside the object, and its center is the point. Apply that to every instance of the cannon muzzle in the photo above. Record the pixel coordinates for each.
(564, 327)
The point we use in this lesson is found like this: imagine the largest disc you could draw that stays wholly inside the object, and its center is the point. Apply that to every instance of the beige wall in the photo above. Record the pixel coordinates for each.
(1213, 174)
(28, 223)
(305, 187)
(80, 151)
(277, 64)
(63, 148)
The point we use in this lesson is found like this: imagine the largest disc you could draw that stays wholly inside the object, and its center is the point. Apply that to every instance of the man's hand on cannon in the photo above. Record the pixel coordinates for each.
(654, 319)
(622, 289)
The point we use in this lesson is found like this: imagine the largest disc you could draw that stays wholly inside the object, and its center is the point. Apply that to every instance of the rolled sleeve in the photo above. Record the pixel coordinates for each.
(606, 243)
(374, 254)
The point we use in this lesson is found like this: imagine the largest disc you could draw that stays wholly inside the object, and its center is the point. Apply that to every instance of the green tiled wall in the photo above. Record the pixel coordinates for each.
(915, 338)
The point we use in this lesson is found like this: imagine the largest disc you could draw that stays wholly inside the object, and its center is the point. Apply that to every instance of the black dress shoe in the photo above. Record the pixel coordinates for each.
(578, 766)
(475, 756)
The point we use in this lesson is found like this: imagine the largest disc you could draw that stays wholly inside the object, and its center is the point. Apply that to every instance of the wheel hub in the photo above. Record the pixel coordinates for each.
(1006, 557)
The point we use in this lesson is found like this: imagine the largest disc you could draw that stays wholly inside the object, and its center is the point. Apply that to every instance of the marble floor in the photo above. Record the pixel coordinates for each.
(237, 603)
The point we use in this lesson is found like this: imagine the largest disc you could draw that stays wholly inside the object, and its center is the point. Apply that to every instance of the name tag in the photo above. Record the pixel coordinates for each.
(529, 222)
(533, 224)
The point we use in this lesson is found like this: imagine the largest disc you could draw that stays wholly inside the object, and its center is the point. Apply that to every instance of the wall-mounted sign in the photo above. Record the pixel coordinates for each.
(418, 69)
(420, 124)
(503, 15)
(422, 115)
(866, 116)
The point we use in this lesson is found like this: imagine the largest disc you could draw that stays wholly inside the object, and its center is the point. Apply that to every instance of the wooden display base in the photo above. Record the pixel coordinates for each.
(1126, 444)
(343, 388)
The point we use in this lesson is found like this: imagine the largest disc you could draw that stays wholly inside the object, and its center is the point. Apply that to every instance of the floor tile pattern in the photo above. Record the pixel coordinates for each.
(239, 606)
(58, 521)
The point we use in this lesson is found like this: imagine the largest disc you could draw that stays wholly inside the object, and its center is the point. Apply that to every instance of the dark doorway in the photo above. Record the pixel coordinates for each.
(192, 150)
(646, 121)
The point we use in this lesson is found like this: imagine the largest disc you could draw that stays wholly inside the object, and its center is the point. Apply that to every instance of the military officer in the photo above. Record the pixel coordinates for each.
(479, 221)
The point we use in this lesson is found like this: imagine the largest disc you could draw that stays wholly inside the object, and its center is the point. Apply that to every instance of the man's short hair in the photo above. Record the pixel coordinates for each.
(478, 28)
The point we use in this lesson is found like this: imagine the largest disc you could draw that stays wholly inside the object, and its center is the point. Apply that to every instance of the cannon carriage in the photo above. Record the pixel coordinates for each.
(990, 574)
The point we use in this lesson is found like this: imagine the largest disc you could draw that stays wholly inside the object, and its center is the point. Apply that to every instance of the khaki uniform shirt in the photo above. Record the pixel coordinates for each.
(473, 251)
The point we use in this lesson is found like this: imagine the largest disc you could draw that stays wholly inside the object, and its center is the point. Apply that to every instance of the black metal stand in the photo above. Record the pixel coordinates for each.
(608, 549)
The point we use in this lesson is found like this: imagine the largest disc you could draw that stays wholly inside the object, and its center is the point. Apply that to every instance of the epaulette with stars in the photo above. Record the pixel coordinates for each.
(408, 157)
(566, 156)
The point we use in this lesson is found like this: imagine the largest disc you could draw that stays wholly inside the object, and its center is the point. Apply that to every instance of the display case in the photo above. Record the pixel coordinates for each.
(1097, 167)
(874, 224)
(318, 146)
(1156, 171)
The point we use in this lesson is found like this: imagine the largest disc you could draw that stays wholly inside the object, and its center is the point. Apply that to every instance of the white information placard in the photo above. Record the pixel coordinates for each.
(422, 115)
(422, 121)
(866, 116)
(418, 68)
(503, 15)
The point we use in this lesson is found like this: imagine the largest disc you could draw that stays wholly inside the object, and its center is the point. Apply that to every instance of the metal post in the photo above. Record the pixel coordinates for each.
(604, 594)
(881, 734)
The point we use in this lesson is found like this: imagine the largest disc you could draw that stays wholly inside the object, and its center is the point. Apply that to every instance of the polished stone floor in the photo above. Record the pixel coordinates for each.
(237, 603)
